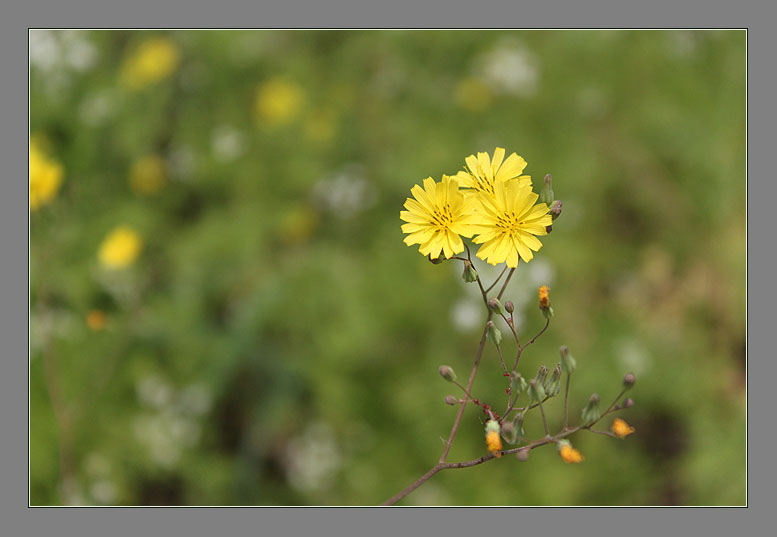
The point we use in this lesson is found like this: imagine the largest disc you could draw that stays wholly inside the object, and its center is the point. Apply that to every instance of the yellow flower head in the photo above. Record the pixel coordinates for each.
(493, 440)
(438, 217)
(148, 174)
(483, 173)
(621, 428)
(120, 248)
(95, 320)
(278, 102)
(508, 222)
(544, 298)
(45, 177)
(494, 443)
(154, 60)
(473, 94)
(569, 454)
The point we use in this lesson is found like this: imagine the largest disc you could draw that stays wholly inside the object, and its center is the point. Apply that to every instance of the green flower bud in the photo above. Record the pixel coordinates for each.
(536, 391)
(509, 433)
(542, 375)
(517, 424)
(518, 384)
(447, 373)
(470, 274)
(451, 400)
(628, 380)
(592, 412)
(567, 362)
(493, 333)
(495, 306)
(509, 307)
(547, 191)
(553, 384)
(555, 209)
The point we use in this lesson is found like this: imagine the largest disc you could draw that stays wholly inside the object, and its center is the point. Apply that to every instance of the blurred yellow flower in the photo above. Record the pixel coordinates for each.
(508, 222)
(153, 60)
(297, 225)
(483, 173)
(320, 126)
(45, 177)
(621, 428)
(437, 217)
(278, 102)
(473, 95)
(569, 454)
(148, 174)
(95, 320)
(120, 248)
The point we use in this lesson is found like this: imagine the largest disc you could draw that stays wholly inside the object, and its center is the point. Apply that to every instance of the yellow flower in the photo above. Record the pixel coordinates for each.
(569, 454)
(96, 320)
(120, 248)
(45, 177)
(508, 222)
(621, 428)
(154, 60)
(147, 175)
(544, 298)
(278, 102)
(494, 443)
(483, 173)
(438, 217)
(473, 95)
(493, 440)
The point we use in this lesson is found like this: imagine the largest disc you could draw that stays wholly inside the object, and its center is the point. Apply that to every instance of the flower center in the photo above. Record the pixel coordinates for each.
(508, 223)
(441, 217)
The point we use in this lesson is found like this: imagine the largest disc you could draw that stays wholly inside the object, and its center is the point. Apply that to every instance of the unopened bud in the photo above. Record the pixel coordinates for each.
(509, 307)
(542, 374)
(470, 274)
(628, 380)
(536, 391)
(592, 412)
(555, 209)
(493, 333)
(447, 373)
(628, 403)
(568, 363)
(522, 454)
(495, 306)
(547, 191)
(544, 301)
(451, 400)
(518, 384)
(508, 432)
(553, 384)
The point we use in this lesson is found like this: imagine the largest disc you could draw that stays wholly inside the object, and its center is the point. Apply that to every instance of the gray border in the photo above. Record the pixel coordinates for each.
(18, 520)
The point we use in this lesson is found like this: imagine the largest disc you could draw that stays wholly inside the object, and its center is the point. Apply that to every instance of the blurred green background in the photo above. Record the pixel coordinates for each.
(275, 342)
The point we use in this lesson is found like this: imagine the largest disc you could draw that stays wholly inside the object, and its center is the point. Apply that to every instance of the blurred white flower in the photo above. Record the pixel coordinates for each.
(510, 68)
(227, 143)
(313, 458)
(632, 356)
(155, 392)
(467, 313)
(96, 108)
(345, 192)
(103, 491)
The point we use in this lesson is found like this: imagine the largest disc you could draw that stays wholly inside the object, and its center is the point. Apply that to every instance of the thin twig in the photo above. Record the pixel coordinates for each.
(497, 279)
(566, 402)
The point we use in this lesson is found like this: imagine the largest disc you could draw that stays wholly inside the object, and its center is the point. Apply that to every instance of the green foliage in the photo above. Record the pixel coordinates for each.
(276, 342)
